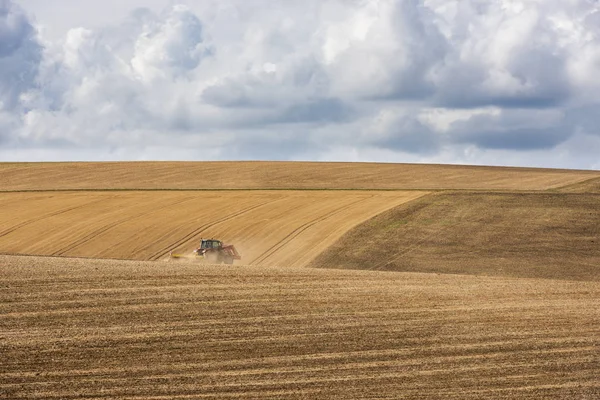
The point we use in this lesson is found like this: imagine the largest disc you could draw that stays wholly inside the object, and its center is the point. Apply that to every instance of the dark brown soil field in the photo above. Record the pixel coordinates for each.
(133, 330)
(533, 235)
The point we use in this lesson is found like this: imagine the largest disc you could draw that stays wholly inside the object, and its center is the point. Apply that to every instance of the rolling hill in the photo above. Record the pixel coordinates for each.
(427, 282)
(278, 175)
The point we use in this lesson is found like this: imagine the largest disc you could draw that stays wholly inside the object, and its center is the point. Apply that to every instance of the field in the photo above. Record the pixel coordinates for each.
(279, 175)
(131, 330)
(357, 281)
(267, 227)
(588, 186)
(531, 235)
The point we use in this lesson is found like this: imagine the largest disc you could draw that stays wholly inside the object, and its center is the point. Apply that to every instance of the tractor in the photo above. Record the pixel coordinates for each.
(214, 252)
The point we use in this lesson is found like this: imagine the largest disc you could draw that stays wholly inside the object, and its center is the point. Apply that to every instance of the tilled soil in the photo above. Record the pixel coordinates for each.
(72, 328)
(531, 235)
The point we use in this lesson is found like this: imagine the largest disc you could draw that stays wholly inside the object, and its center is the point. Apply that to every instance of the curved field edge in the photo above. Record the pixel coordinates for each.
(278, 175)
(591, 185)
(99, 328)
(533, 235)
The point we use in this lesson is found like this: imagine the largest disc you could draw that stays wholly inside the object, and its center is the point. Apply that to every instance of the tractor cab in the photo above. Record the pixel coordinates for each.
(210, 244)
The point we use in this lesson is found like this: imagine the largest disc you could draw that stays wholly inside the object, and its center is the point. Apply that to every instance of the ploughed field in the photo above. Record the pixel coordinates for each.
(131, 330)
(533, 235)
(287, 228)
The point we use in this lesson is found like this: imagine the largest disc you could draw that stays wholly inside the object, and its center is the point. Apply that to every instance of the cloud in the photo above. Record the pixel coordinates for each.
(401, 130)
(265, 86)
(383, 49)
(504, 54)
(511, 129)
(170, 47)
(401, 80)
(319, 110)
(20, 55)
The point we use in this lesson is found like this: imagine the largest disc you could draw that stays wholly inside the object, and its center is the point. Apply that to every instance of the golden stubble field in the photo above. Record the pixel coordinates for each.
(279, 175)
(142, 330)
(286, 228)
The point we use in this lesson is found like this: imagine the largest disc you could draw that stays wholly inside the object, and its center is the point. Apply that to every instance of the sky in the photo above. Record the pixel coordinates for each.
(487, 82)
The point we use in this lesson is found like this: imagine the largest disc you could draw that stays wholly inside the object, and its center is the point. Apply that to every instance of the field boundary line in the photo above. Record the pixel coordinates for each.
(574, 185)
(301, 229)
(308, 189)
(291, 189)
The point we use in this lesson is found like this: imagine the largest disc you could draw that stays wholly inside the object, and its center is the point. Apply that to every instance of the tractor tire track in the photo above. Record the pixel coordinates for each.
(106, 228)
(269, 252)
(59, 212)
(128, 225)
(165, 250)
(74, 328)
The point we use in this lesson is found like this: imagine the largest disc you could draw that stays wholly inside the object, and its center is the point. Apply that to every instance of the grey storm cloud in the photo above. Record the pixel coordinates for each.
(320, 110)
(406, 78)
(412, 136)
(510, 129)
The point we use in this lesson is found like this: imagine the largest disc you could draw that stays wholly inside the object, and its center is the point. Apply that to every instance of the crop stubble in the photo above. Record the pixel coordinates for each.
(124, 329)
(268, 227)
(279, 175)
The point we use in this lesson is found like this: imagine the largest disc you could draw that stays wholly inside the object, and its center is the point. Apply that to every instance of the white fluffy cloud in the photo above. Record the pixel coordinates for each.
(467, 81)
(169, 48)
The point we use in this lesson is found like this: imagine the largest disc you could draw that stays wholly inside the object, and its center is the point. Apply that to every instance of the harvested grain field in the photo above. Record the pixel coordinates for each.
(268, 227)
(531, 235)
(83, 328)
(130, 330)
(279, 175)
(588, 186)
